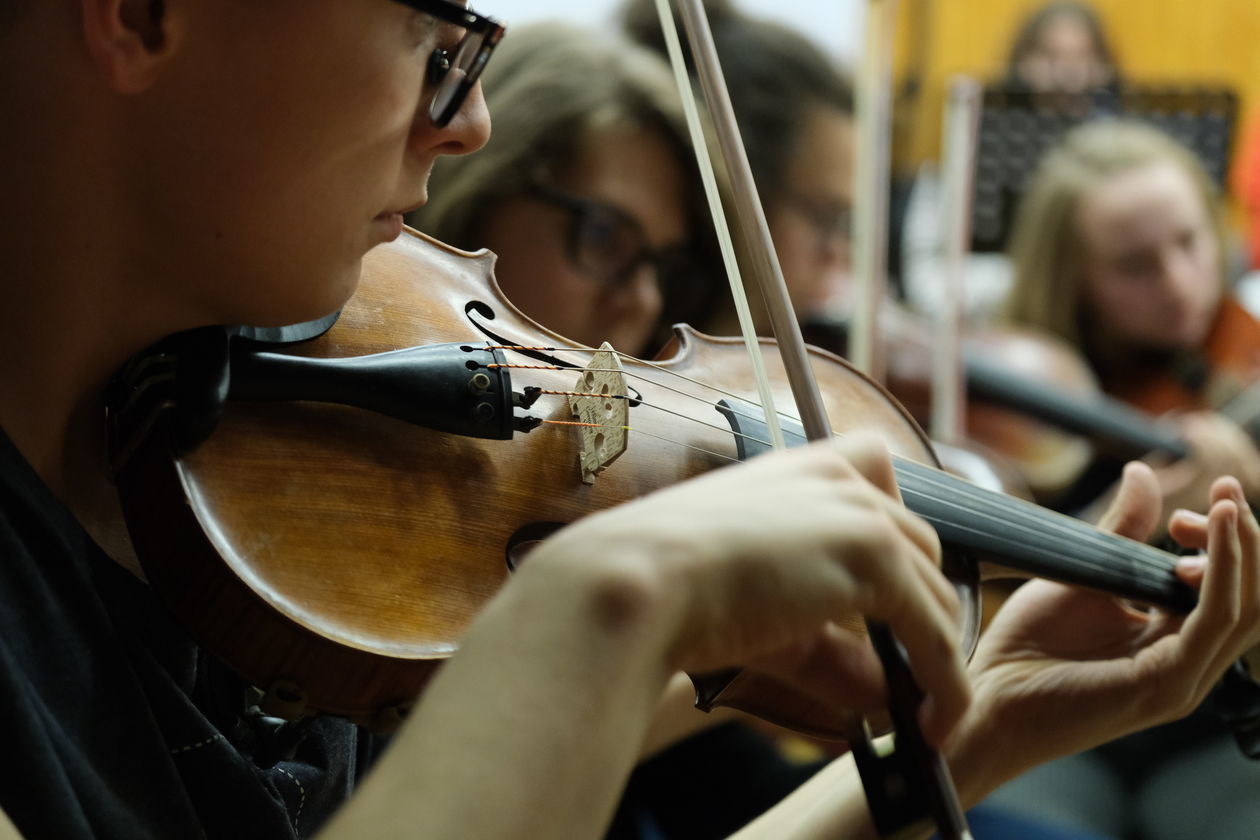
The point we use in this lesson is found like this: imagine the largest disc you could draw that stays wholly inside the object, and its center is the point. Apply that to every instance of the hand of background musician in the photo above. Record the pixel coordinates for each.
(1218, 447)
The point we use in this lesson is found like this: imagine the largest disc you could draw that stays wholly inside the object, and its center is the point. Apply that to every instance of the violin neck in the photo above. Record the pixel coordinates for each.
(988, 526)
(1031, 539)
(1104, 419)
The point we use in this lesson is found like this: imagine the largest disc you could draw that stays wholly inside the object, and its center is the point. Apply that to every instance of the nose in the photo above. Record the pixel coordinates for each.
(1181, 275)
(467, 131)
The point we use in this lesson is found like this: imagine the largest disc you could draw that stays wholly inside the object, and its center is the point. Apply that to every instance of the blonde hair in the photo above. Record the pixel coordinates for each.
(550, 87)
(1046, 242)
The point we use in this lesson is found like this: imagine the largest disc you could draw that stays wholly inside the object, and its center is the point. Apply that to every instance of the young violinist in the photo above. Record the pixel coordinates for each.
(1119, 249)
(247, 191)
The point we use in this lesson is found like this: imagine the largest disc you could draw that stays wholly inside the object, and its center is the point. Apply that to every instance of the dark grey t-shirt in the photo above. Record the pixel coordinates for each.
(113, 724)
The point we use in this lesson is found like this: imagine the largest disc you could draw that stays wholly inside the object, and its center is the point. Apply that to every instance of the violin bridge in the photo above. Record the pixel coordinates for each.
(599, 403)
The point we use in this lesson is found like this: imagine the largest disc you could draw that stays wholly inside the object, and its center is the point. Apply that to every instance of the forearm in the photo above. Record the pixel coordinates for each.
(832, 805)
(531, 730)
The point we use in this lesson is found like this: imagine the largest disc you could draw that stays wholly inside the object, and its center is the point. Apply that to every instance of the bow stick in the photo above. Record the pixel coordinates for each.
(912, 766)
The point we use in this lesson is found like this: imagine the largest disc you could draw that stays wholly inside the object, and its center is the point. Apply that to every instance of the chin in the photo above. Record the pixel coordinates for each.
(304, 297)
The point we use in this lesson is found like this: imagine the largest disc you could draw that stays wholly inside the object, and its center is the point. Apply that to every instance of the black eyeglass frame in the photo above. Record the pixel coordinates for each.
(482, 35)
(662, 259)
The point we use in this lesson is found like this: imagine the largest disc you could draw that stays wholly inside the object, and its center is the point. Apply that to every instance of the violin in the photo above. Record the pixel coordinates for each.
(355, 502)
(1216, 377)
(1031, 399)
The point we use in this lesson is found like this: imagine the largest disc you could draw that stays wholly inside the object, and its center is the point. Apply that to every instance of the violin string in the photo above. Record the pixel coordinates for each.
(646, 363)
(673, 441)
(1004, 512)
(996, 516)
(725, 430)
(734, 409)
(993, 507)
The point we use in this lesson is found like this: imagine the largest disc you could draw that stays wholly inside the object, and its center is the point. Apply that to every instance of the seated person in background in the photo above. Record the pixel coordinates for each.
(1061, 48)
(794, 109)
(587, 191)
(1117, 250)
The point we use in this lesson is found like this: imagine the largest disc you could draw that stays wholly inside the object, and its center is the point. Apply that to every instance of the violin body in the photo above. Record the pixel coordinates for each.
(1045, 457)
(334, 556)
(1206, 379)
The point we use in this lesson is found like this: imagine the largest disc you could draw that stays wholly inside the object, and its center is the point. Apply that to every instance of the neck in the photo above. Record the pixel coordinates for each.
(72, 312)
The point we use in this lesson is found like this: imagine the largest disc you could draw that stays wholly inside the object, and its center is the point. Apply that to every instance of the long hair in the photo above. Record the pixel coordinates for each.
(1046, 243)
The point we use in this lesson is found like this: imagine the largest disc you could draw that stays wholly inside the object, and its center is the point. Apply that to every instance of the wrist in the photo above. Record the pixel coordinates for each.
(606, 592)
(979, 757)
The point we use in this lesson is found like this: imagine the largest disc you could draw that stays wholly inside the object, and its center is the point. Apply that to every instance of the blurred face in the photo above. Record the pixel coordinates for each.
(297, 133)
(579, 254)
(1151, 264)
(809, 220)
(1064, 59)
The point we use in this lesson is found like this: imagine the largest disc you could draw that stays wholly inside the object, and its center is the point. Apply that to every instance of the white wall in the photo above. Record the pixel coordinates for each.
(836, 25)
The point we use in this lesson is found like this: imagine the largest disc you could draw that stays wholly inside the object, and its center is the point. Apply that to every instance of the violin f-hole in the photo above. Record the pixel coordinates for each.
(525, 539)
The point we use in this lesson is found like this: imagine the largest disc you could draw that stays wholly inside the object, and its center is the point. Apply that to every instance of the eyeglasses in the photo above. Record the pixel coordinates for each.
(453, 77)
(608, 244)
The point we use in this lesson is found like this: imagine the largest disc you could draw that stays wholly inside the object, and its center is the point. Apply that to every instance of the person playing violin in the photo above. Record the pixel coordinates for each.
(1119, 250)
(196, 190)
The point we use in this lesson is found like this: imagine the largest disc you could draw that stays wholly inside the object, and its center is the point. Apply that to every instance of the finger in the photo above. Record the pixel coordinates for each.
(837, 667)
(1134, 513)
(1190, 569)
(913, 526)
(1208, 630)
(920, 545)
(1227, 487)
(866, 454)
(1188, 528)
(869, 455)
(1248, 535)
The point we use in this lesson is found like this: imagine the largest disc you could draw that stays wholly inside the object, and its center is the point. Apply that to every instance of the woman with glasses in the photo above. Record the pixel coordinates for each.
(587, 191)
(243, 157)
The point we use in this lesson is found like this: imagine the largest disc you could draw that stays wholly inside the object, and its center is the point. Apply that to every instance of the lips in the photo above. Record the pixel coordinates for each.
(390, 225)
(405, 210)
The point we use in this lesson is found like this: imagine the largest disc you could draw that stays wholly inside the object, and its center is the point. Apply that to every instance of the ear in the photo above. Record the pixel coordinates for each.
(130, 40)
